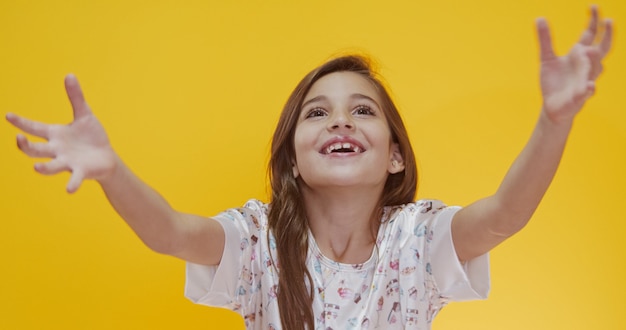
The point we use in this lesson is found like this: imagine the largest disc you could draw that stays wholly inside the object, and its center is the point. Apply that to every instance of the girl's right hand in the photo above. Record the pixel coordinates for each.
(81, 147)
(568, 81)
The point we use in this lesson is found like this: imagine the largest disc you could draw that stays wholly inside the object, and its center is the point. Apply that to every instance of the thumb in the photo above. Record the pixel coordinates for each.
(545, 40)
(75, 181)
(77, 99)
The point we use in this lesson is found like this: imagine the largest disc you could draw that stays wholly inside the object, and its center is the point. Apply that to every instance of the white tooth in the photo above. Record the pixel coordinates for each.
(357, 149)
(346, 145)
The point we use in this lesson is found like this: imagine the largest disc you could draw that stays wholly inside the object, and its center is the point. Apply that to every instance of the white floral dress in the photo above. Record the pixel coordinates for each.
(413, 272)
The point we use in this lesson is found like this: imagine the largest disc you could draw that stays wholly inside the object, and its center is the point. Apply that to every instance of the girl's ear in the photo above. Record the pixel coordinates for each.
(295, 170)
(396, 162)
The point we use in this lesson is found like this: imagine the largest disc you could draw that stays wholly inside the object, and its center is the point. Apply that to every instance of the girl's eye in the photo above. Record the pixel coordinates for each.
(363, 110)
(316, 112)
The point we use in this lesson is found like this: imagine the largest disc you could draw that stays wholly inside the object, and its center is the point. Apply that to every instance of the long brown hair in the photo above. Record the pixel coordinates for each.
(287, 217)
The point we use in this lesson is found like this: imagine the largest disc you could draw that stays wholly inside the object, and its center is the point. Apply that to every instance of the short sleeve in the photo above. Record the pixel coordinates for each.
(215, 285)
(456, 281)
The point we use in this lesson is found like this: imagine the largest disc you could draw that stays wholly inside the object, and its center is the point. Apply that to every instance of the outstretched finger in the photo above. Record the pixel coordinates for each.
(75, 181)
(36, 150)
(52, 167)
(595, 61)
(545, 40)
(77, 99)
(589, 35)
(29, 126)
(585, 72)
(607, 38)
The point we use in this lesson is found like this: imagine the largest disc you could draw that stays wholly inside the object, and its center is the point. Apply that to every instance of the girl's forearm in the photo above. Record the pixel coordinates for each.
(145, 211)
(484, 224)
(530, 175)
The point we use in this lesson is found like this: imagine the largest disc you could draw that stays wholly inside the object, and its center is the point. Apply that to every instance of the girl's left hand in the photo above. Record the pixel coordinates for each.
(567, 81)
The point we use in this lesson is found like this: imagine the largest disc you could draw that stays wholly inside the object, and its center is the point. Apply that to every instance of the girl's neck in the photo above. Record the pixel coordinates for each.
(341, 222)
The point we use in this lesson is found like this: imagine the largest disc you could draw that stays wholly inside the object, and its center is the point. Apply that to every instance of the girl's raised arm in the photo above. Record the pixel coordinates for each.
(566, 83)
(82, 148)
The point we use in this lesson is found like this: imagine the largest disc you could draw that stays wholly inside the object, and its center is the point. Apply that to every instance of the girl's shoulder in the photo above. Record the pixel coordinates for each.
(419, 208)
(256, 205)
(253, 213)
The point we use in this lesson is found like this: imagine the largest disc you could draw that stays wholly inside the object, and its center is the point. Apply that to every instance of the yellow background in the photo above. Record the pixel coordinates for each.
(190, 91)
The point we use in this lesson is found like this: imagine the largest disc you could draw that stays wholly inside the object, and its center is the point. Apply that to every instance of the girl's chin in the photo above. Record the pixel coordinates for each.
(343, 181)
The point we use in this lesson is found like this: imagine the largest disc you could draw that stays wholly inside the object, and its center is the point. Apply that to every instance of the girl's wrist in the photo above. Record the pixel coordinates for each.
(555, 124)
(112, 172)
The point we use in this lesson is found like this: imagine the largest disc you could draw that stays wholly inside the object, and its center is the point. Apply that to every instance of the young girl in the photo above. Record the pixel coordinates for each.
(342, 243)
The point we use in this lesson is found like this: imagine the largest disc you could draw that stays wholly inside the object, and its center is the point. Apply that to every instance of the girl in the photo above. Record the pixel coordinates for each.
(342, 243)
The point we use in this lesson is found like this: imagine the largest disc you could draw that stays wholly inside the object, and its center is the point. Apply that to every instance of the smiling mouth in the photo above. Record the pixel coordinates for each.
(341, 147)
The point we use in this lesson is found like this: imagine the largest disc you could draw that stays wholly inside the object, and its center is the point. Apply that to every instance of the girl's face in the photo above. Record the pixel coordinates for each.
(342, 137)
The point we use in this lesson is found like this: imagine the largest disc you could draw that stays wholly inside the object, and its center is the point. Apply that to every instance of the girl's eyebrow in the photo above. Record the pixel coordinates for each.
(359, 96)
(356, 96)
(315, 99)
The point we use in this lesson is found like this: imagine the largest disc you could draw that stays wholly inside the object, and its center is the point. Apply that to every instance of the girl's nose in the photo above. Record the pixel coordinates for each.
(341, 121)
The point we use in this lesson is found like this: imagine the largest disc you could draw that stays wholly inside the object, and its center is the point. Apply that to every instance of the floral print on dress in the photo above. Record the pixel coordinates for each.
(396, 288)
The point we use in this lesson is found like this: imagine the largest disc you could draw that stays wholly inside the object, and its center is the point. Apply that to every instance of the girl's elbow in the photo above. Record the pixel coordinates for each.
(510, 225)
